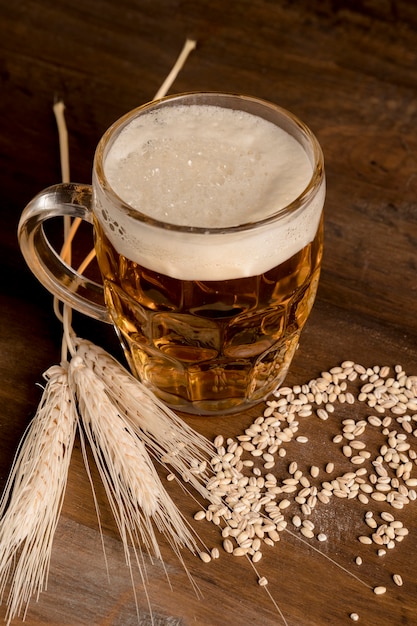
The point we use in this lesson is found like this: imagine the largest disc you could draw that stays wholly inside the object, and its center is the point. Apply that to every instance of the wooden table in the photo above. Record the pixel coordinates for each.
(349, 70)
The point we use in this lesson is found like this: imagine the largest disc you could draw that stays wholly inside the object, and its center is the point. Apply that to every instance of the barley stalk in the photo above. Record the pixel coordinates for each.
(171, 440)
(188, 47)
(32, 500)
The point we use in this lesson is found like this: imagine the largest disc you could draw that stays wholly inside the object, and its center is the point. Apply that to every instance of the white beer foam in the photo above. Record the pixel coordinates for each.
(211, 167)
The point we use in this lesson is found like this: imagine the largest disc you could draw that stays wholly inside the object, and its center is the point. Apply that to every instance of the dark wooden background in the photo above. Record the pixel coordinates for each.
(349, 70)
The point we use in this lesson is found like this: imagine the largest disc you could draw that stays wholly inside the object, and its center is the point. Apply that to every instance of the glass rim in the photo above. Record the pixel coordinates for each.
(304, 198)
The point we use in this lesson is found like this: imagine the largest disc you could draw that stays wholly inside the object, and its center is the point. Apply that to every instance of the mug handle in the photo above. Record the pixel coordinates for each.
(73, 200)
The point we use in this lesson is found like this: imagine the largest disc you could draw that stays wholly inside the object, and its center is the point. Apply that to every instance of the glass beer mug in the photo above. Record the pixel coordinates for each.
(207, 214)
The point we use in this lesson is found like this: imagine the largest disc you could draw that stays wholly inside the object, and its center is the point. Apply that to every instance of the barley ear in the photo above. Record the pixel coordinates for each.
(135, 492)
(32, 499)
(172, 442)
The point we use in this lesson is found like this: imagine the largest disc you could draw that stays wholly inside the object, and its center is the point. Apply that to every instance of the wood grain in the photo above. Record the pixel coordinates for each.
(349, 70)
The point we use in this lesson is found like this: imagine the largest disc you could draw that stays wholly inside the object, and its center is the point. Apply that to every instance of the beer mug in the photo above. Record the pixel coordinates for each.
(207, 219)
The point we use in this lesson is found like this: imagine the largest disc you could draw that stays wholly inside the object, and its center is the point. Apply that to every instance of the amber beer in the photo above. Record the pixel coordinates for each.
(208, 231)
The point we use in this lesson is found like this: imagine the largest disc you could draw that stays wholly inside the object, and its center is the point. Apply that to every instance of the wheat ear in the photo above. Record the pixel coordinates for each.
(172, 442)
(32, 500)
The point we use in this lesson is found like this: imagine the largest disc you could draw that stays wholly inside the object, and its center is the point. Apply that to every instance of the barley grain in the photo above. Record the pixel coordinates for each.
(378, 496)
(374, 420)
(314, 472)
(339, 493)
(205, 557)
(218, 442)
(239, 551)
(376, 538)
(228, 546)
(214, 553)
(371, 522)
(364, 539)
(356, 444)
(257, 556)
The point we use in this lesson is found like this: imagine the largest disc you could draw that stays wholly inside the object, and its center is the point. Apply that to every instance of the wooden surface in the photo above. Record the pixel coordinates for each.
(349, 70)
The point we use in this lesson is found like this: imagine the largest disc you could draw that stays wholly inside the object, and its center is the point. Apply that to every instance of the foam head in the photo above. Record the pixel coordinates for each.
(207, 171)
